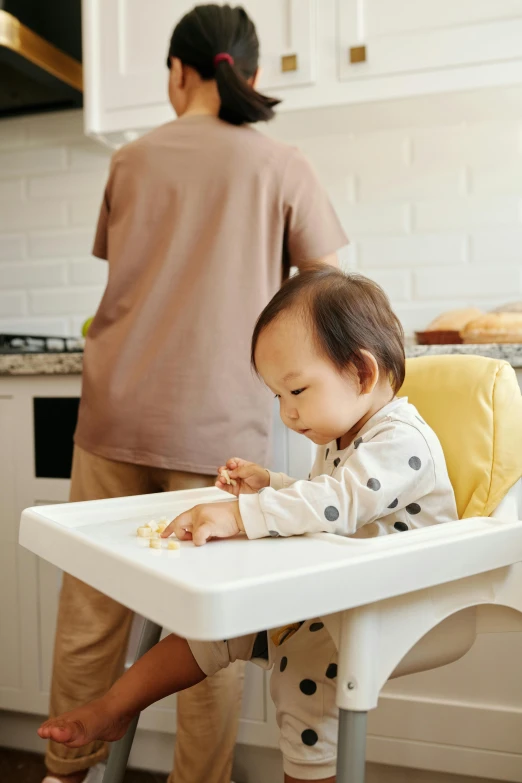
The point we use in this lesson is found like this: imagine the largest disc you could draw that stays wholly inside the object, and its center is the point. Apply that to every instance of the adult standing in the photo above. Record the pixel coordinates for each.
(198, 220)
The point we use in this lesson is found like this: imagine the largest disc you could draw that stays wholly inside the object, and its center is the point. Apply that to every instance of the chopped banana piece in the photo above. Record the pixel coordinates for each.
(152, 524)
(171, 544)
(155, 543)
(163, 521)
(226, 477)
(144, 532)
(161, 527)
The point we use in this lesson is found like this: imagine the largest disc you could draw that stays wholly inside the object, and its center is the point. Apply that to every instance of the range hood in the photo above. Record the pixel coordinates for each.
(40, 56)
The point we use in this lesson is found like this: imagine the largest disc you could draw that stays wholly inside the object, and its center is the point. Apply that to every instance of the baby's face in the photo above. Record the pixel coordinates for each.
(315, 399)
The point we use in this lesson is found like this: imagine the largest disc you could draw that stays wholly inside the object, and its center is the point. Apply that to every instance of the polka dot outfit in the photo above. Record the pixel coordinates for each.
(390, 480)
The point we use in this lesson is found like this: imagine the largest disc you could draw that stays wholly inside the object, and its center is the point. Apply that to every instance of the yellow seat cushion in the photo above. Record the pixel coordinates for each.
(475, 407)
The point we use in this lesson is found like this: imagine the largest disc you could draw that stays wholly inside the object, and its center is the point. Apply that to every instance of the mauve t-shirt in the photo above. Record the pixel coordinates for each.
(197, 220)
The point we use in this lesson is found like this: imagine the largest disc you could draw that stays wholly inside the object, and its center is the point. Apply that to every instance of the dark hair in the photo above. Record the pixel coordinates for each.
(348, 313)
(209, 30)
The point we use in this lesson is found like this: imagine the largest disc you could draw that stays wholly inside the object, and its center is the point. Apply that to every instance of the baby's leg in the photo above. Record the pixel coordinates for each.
(303, 687)
(167, 668)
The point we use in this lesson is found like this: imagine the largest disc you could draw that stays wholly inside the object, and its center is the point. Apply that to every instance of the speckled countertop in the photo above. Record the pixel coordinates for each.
(71, 363)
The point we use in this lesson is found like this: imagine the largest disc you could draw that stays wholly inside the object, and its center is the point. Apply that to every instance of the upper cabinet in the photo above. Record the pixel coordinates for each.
(391, 48)
(313, 53)
(125, 45)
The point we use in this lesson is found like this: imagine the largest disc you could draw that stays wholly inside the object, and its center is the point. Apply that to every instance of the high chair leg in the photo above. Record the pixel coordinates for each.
(120, 751)
(351, 747)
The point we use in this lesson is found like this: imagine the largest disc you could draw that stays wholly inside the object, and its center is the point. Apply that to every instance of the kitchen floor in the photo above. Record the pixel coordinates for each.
(17, 766)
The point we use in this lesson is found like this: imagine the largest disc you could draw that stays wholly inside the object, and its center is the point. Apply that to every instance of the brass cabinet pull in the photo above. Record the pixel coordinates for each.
(357, 54)
(289, 63)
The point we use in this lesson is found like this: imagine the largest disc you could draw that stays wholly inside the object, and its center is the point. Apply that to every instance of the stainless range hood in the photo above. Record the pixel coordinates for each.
(40, 56)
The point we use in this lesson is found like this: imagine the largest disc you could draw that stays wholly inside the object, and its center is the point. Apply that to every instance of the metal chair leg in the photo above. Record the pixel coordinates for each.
(351, 747)
(120, 750)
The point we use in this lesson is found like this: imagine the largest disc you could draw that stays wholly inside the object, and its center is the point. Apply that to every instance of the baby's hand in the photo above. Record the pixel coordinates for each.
(246, 477)
(212, 520)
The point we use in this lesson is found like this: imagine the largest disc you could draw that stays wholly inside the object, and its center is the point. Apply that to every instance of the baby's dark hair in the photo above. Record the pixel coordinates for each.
(211, 30)
(348, 314)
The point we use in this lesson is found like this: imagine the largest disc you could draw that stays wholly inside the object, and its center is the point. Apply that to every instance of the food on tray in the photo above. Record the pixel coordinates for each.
(152, 531)
(494, 328)
(453, 320)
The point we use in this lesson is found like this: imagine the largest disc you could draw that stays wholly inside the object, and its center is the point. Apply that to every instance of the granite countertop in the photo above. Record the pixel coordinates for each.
(71, 363)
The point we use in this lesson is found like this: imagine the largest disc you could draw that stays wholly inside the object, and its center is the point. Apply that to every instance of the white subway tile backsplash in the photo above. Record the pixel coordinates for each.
(64, 301)
(52, 327)
(28, 215)
(477, 281)
(31, 161)
(88, 156)
(411, 184)
(497, 179)
(12, 303)
(11, 190)
(12, 246)
(450, 214)
(396, 284)
(84, 212)
(434, 211)
(72, 242)
(26, 275)
(361, 219)
(93, 271)
(68, 185)
(411, 250)
(496, 247)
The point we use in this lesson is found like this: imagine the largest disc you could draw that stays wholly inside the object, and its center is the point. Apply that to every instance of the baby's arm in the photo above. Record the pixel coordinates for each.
(374, 476)
(169, 667)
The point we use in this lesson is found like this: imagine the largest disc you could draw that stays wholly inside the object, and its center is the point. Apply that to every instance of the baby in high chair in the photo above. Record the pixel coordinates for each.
(330, 348)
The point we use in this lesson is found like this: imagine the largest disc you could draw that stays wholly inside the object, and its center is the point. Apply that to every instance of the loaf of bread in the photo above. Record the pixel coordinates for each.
(511, 307)
(454, 320)
(494, 328)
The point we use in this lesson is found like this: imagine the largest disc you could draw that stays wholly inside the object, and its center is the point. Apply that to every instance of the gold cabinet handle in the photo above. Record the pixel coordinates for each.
(289, 63)
(357, 54)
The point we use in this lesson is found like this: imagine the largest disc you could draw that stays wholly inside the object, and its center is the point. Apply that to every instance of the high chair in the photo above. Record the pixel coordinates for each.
(394, 605)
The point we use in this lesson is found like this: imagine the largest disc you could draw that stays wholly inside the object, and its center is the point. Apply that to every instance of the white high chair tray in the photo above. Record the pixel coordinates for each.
(229, 588)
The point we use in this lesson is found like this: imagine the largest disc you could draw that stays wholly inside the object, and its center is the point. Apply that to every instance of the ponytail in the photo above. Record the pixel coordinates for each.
(221, 43)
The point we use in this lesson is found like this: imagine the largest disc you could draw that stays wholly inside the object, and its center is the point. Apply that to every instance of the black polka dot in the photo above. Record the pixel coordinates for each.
(357, 443)
(309, 737)
(402, 527)
(327, 453)
(331, 513)
(331, 671)
(413, 508)
(394, 503)
(283, 664)
(308, 687)
(316, 627)
(273, 534)
(337, 461)
(414, 463)
(374, 484)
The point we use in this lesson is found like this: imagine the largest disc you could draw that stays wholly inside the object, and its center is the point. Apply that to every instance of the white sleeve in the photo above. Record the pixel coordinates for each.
(392, 470)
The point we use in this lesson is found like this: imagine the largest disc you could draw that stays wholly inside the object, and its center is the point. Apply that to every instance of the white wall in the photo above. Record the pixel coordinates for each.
(429, 189)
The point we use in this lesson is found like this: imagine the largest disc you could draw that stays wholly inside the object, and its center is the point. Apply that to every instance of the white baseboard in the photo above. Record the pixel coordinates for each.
(401, 761)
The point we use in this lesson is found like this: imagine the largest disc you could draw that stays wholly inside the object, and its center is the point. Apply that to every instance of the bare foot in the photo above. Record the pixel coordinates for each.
(95, 721)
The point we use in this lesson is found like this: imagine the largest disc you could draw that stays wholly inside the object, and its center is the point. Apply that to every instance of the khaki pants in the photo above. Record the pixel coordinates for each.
(92, 636)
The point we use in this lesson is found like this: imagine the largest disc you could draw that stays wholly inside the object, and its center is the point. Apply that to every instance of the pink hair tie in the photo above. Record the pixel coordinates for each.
(223, 57)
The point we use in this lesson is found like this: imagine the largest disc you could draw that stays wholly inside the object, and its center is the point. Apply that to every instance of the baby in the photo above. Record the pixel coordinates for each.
(330, 348)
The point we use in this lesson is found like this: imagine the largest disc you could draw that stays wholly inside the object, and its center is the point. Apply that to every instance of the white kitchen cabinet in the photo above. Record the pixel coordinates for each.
(125, 45)
(391, 48)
